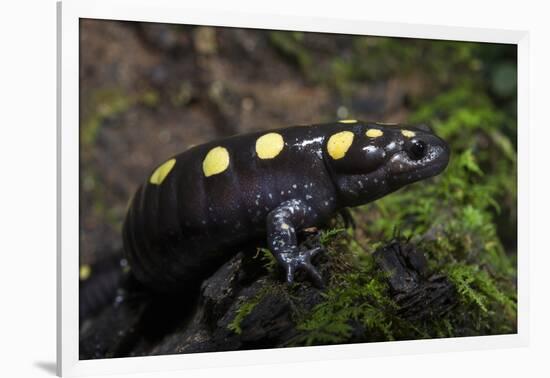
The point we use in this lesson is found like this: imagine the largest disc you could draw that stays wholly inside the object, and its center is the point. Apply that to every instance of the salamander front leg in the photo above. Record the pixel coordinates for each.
(281, 237)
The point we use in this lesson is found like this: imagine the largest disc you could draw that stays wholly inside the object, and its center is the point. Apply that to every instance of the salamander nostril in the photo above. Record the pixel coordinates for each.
(417, 149)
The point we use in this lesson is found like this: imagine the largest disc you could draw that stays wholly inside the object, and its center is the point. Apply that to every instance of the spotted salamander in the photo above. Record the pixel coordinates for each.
(197, 207)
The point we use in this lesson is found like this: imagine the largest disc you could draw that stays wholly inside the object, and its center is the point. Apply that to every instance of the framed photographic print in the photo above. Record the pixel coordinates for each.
(272, 188)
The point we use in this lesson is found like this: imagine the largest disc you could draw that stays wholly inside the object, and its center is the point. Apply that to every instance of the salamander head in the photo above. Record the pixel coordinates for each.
(368, 161)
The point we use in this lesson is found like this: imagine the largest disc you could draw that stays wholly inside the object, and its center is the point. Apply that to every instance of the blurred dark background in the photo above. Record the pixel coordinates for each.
(149, 91)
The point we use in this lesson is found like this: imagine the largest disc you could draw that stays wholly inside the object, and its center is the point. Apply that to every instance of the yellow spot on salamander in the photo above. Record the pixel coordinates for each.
(269, 145)
(374, 133)
(216, 161)
(85, 272)
(339, 143)
(408, 133)
(348, 121)
(162, 171)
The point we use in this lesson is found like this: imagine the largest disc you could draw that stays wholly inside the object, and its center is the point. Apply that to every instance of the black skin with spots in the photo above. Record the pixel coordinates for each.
(178, 233)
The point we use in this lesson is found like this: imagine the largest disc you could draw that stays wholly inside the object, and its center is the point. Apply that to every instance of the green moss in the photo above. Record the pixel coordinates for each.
(270, 288)
(267, 259)
(477, 288)
(328, 235)
(242, 312)
(357, 305)
(359, 297)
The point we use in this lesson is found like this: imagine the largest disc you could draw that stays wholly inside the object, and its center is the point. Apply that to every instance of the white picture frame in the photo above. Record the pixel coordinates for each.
(69, 13)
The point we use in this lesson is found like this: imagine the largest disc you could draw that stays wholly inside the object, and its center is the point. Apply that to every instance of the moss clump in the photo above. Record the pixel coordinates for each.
(267, 259)
(357, 295)
(243, 311)
(481, 294)
(327, 236)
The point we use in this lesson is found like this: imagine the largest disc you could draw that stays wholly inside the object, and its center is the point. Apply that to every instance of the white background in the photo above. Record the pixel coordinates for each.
(27, 197)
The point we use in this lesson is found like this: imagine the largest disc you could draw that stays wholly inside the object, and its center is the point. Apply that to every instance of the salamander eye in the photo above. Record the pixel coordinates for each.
(417, 149)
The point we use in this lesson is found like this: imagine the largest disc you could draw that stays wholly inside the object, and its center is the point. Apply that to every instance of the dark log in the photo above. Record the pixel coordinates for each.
(419, 294)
